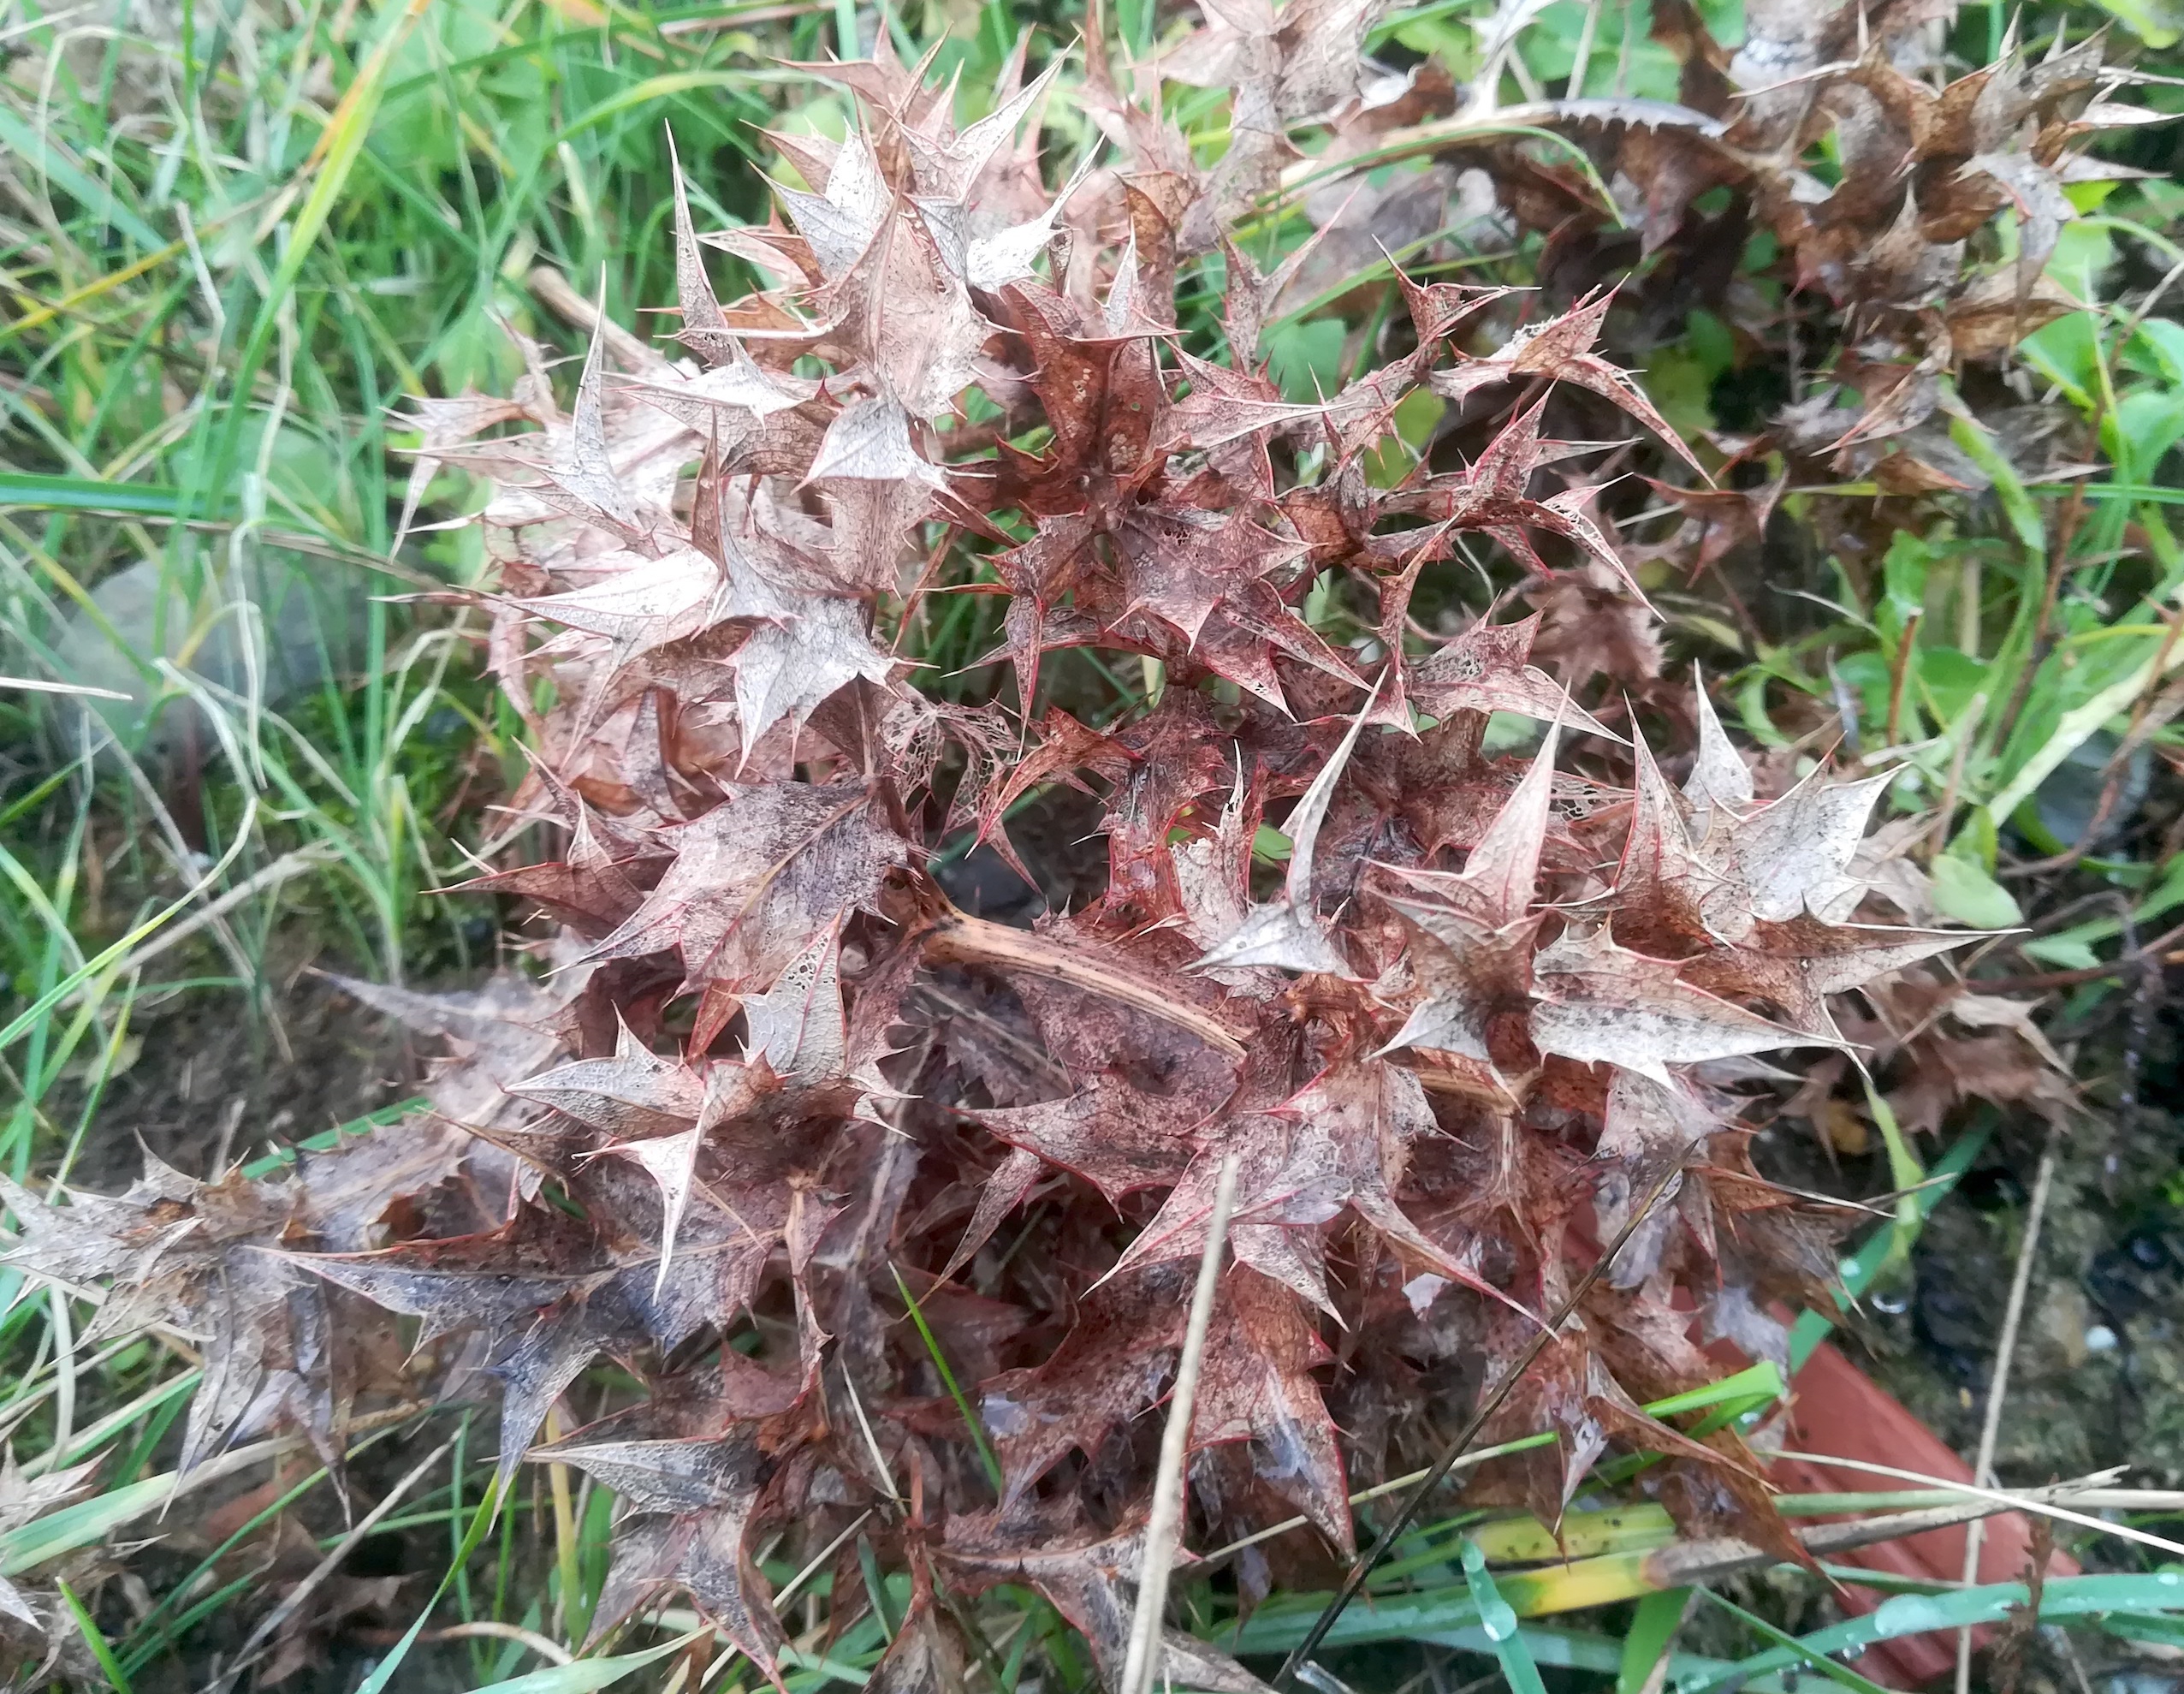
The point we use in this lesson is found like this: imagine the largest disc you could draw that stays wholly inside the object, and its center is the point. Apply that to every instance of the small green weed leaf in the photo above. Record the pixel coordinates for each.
(2065, 353)
(2148, 422)
(1305, 360)
(1965, 893)
(1952, 680)
(1680, 384)
(1756, 1384)
(1416, 418)
(1904, 578)
(2157, 347)
(1712, 341)
(1904, 1170)
(2066, 952)
(1867, 674)
(2082, 252)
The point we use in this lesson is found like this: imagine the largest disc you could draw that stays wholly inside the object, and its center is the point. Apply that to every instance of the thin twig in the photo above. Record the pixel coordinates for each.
(1580, 62)
(552, 1651)
(2133, 958)
(1489, 1404)
(2139, 1031)
(974, 941)
(286, 868)
(1898, 675)
(2153, 299)
(1682, 1563)
(1162, 1527)
(872, 1442)
(559, 295)
(1998, 1386)
(326, 1567)
(2125, 1531)
(960, 938)
(817, 1562)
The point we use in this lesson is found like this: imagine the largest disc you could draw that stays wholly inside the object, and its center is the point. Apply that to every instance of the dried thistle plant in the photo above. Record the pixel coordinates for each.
(777, 1088)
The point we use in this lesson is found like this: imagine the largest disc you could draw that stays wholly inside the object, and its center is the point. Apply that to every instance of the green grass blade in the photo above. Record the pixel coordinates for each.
(30, 1545)
(333, 158)
(653, 88)
(955, 1392)
(39, 154)
(95, 1641)
(1811, 1658)
(1872, 1256)
(26, 490)
(2160, 1593)
(1652, 1632)
(480, 1520)
(1499, 1621)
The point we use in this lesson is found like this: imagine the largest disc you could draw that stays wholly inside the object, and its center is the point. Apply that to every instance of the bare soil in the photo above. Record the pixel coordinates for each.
(216, 1077)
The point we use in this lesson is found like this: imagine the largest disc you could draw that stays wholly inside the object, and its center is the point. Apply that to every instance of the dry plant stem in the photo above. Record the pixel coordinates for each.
(1945, 813)
(1686, 1562)
(2167, 1500)
(2140, 1029)
(484, 1629)
(284, 869)
(559, 296)
(2021, 1502)
(2091, 1498)
(872, 1443)
(242, 1458)
(1998, 1388)
(1580, 61)
(960, 938)
(974, 941)
(65, 1367)
(1164, 1525)
(1905, 644)
(788, 1591)
(1393, 1485)
(1454, 1452)
(2136, 958)
(675, 27)
(557, 1478)
(29, 1399)
(293, 1601)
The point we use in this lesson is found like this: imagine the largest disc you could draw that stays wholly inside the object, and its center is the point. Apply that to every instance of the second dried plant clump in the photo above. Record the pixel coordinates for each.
(776, 1089)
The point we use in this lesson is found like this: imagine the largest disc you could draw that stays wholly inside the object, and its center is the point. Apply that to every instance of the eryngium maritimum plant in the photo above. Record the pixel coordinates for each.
(777, 1085)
